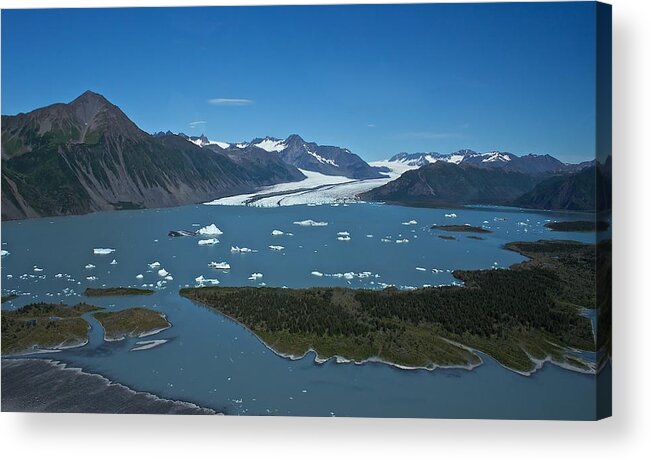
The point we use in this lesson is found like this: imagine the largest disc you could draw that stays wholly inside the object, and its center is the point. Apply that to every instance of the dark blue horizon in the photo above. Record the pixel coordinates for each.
(378, 79)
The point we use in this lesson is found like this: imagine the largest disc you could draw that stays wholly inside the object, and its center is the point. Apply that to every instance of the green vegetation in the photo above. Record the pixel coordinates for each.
(42, 325)
(132, 322)
(531, 310)
(579, 226)
(460, 228)
(7, 298)
(116, 291)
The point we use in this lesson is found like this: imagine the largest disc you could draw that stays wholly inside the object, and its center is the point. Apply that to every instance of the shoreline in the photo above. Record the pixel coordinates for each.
(107, 396)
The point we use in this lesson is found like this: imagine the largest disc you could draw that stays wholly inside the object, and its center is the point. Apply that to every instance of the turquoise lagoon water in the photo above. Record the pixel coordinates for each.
(214, 362)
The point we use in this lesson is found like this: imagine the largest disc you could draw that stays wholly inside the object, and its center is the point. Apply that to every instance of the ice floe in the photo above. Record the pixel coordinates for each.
(276, 248)
(208, 242)
(114, 262)
(154, 265)
(4, 252)
(343, 238)
(91, 278)
(37, 269)
(451, 215)
(404, 240)
(102, 251)
(139, 276)
(310, 223)
(239, 250)
(89, 266)
(277, 232)
(163, 273)
(343, 234)
(220, 265)
(411, 222)
(211, 230)
(421, 269)
(255, 276)
(203, 281)
(315, 273)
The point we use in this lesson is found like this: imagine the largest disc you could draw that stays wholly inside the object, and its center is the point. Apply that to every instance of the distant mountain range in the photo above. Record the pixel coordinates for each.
(528, 164)
(450, 183)
(88, 156)
(324, 159)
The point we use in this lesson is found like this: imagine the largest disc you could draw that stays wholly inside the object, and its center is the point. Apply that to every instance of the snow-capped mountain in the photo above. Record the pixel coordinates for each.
(295, 151)
(530, 164)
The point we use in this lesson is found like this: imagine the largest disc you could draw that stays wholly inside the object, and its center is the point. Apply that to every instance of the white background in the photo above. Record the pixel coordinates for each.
(624, 436)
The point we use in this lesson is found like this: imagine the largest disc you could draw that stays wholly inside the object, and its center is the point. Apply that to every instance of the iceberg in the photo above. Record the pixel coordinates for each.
(163, 273)
(452, 215)
(169, 278)
(343, 238)
(343, 234)
(91, 278)
(310, 223)
(421, 269)
(255, 276)
(139, 276)
(208, 242)
(4, 252)
(276, 248)
(114, 262)
(239, 250)
(201, 281)
(315, 273)
(89, 267)
(277, 232)
(405, 240)
(102, 251)
(220, 265)
(154, 265)
(411, 222)
(210, 230)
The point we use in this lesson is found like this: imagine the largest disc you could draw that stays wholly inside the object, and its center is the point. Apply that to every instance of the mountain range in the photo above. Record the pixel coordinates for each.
(310, 156)
(87, 156)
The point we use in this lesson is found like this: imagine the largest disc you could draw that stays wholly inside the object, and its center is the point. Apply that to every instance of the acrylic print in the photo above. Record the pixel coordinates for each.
(348, 211)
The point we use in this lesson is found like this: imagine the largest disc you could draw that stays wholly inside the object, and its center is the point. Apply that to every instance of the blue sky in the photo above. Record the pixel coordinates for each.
(376, 79)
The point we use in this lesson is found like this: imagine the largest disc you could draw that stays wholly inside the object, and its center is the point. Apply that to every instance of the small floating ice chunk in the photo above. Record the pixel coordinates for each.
(4, 252)
(169, 278)
(220, 265)
(421, 269)
(343, 234)
(139, 276)
(154, 265)
(102, 251)
(89, 267)
(277, 232)
(37, 269)
(404, 240)
(255, 276)
(208, 242)
(163, 273)
(369, 236)
(315, 273)
(310, 223)
(411, 222)
(451, 215)
(276, 248)
(91, 278)
(114, 262)
(343, 238)
(239, 250)
(385, 240)
(211, 230)
(201, 280)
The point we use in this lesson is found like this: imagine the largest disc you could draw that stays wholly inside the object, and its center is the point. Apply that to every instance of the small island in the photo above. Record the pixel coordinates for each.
(578, 226)
(461, 228)
(116, 291)
(447, 237)
(132, 322)
(520, 316)
(44, 326)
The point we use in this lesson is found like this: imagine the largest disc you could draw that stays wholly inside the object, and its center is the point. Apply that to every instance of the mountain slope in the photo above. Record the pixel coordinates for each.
(586, 190)
(88, 156)
(444, 183)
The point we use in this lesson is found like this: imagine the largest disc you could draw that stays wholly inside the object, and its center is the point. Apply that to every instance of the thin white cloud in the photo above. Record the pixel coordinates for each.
(236, 102)
(194, 124)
